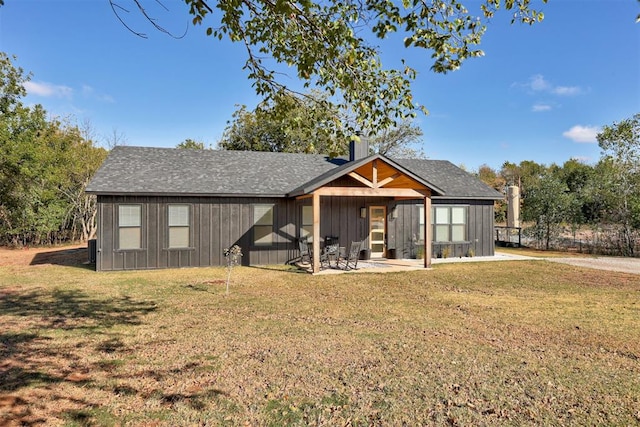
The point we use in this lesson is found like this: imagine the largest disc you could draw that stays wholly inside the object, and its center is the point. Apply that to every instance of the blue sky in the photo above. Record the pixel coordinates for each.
(540, 92)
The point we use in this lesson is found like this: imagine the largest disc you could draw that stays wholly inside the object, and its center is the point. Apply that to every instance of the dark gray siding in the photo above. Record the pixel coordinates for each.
(403, 231)
(340, 216)
(218, 223)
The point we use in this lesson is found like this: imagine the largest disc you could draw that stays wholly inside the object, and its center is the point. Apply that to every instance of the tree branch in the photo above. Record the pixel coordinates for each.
(148, 17)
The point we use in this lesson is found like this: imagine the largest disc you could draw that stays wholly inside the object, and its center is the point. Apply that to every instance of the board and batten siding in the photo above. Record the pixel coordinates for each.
(403, 231)
(340, 217)
(219, 223)
(216, 224)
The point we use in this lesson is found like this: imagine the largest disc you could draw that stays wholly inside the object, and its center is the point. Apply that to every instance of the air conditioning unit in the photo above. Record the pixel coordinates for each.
(93, 250)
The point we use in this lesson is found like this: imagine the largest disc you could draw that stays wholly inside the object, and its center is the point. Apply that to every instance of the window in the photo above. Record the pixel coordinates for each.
(449, 223)
(179, 230)
(129, 226)
(458, 224)
(441, 229)
(263, 225)
(306, 228)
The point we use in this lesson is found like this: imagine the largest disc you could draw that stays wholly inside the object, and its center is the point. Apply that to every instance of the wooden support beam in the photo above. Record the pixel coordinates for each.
(374, 164)
(388, 180)
(372, 192)
(315, 262)
(428, 231)
(361, 179)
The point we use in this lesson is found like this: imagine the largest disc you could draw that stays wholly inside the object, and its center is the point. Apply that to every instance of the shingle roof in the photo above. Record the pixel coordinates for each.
(456, 183)
(143, 170)
(169, 171)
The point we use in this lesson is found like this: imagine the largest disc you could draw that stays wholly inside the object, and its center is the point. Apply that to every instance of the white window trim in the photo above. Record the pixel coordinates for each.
(138, 226)
(309, 225)
(449, 222)
(256, 225)
(188, 226)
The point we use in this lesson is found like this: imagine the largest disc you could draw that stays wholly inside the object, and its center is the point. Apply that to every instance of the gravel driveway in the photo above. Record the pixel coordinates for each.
(621, 264)
(624, 265)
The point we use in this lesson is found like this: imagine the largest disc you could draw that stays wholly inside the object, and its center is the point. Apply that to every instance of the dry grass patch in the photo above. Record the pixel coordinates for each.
(507, 343)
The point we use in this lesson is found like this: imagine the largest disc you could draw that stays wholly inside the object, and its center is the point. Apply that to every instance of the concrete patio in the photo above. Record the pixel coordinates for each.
(395, 265)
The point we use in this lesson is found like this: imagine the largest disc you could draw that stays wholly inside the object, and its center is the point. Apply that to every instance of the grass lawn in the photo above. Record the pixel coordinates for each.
(506, 343)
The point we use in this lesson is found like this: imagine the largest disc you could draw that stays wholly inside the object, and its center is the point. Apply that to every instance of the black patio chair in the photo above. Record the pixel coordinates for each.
(331, 253)
(331, 240)
(305, 251)
(350, 261)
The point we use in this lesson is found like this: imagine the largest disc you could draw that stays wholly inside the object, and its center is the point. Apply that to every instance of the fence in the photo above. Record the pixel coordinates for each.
(508, 236)
(602, 241)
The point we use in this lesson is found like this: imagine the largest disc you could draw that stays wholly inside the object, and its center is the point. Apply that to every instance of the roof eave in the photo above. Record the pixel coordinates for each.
(178, 194)
(468, 197)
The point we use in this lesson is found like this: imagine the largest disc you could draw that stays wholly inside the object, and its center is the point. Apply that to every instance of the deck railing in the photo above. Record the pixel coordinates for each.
(508, 236)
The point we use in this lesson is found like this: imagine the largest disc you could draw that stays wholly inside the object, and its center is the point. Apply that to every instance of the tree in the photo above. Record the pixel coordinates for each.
(620, 144)
(511, 173)
(288, 124)
(45, 172)
(81, 158)
(18, 125)
(326, 44)
(44, 168)
(580, 180)
(524, 175)
(191, 144)
(548, 203)
(496, 181)
(12, 89)
(232, 256)
(396, 141)
(292, 124)
(490, 177)
(114, 139)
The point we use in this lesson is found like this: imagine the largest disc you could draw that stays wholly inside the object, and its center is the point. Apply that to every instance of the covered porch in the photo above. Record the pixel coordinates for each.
(371, 178)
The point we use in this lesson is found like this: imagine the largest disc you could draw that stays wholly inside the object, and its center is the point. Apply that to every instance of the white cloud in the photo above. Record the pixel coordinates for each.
(580, 133)
(538, 108)
(567, 90)
(90, 92)
(48, 89)
(107, 98)
(537, 83)
(87, 90)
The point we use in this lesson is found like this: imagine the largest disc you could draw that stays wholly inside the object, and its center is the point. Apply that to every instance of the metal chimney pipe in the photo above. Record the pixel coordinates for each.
(358, 150)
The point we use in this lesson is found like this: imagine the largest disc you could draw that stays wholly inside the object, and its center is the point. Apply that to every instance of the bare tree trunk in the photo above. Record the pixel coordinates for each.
(548, 236)
(84, 208)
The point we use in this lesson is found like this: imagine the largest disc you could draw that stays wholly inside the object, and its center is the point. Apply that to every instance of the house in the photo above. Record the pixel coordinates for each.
(167, 208)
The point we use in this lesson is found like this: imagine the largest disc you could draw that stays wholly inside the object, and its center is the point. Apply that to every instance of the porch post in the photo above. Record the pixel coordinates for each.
(315, 262)
(427, 231)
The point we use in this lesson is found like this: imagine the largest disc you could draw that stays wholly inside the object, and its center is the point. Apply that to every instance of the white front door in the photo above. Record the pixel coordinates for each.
(377, 230)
